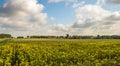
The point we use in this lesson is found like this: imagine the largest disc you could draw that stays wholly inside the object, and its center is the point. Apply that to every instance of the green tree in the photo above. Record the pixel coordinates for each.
(5, 36)
(67, 36)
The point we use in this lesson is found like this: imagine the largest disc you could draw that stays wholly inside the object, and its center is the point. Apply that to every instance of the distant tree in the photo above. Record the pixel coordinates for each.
(59, 36)
(28, 36)
(106, 37)
(38, 36)
(75, 37)
(115, 36)
(67, 36)
(20, 37)
(98, 37)
(5, 36)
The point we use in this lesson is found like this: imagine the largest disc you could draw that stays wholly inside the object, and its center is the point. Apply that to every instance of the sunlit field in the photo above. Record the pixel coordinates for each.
(59, 52)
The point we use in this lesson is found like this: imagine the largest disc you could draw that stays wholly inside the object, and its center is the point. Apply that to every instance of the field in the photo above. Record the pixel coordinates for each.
(59, 52)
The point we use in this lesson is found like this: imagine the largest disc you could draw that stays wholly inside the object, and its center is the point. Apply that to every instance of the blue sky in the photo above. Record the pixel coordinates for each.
(67, 15)
(58, 17)
(55, 9)
(1, 2)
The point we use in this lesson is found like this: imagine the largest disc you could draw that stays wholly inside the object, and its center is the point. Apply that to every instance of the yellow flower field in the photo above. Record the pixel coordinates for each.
(59, 52)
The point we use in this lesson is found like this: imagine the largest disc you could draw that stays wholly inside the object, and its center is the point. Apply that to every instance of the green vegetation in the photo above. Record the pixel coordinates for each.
(59, 52)
(5, 36)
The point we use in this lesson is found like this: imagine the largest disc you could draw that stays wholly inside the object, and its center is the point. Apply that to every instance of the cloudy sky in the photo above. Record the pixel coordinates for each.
(59, 17)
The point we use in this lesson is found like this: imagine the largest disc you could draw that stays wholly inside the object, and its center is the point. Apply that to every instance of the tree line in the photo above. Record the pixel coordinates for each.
(66, 37)
(5, 36)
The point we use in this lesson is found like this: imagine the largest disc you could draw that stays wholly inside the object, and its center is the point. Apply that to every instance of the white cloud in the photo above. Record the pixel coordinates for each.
(114, 1)
(93, 19)
(56, 1)
(28, 19)
(88, 14)
(39, 18)
(75, 5)
(100, 2)
(20, 7)
(61, 27)
(52, 18)
(22, 15)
